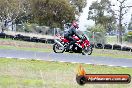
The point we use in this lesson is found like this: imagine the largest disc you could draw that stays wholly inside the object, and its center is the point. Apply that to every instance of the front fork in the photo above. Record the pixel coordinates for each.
(59, 43)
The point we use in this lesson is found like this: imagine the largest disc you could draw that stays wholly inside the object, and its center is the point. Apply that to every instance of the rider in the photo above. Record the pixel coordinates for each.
(69, 34)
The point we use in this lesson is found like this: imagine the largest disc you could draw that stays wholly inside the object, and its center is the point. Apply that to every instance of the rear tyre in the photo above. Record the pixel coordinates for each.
(87, 50)
(58, 49)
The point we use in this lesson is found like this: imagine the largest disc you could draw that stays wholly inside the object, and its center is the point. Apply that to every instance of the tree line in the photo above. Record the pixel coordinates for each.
(43, 12)
(107, 19)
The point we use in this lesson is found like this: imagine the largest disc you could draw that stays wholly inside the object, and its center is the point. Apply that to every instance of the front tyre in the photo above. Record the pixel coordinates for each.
(87, 50)
(58, 49)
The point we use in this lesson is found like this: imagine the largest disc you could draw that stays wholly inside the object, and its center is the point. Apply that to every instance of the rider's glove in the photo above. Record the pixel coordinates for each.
(81, 38)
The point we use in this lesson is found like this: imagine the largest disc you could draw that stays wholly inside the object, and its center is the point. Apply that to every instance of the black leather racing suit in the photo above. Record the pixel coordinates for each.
(69, 36)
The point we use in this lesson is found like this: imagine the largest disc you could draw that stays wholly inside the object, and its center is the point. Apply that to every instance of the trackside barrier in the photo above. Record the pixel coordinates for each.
(10, 36)
(124, 48)
(99, 46)
(107, 46)
(116, 47)
(2, 35)
(51, 41)
(113, 47)
(26, 38)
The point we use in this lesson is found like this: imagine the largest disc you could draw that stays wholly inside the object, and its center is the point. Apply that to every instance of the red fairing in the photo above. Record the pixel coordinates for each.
(64, 39)
(85, 43)
(75, 37)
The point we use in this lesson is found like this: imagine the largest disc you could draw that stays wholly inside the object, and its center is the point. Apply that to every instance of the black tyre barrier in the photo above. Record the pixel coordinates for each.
(99, 46)
(26, 38)
(50, 41)
(34, 39)
(2, 35)
(107, 46)
(10, 36)
(116, 47)
(126, 48)
(19, 37)
(42, 40)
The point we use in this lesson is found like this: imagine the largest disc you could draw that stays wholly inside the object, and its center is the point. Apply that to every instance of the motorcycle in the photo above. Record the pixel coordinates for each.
(81, 46)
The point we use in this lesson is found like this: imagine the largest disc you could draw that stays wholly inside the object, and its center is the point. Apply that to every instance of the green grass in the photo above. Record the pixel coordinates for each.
(26, 49)
(15, 73)
(113, 56)
(112, 53)
(23, 45)
(19, 41)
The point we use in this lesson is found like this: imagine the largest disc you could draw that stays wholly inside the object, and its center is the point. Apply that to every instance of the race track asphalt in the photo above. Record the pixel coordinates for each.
(65, 57)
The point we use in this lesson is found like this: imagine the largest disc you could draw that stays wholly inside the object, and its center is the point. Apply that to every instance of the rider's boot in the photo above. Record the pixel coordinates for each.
(68, 48)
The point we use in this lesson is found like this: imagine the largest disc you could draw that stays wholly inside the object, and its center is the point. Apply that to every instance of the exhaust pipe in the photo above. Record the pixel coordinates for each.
(56, 41)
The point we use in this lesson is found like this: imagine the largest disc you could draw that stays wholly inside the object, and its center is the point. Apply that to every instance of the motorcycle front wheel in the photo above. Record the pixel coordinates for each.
(87, 50)
(58, 49)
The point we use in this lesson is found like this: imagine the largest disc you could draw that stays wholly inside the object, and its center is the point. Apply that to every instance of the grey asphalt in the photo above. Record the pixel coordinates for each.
(73, 58)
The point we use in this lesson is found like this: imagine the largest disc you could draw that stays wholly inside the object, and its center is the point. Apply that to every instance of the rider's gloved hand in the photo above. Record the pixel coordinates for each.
(81, 38)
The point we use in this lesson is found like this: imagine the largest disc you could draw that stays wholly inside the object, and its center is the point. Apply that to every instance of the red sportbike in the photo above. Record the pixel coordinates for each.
(81, 46)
